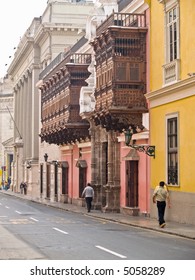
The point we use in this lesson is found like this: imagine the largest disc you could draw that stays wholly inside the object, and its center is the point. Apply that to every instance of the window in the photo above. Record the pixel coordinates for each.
(172, 34)
(172, 63)
(172, 150)
(121, 71)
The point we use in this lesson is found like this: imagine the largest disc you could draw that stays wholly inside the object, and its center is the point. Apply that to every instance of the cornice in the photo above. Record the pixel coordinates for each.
(174, 92)
(47, 29)
(20, 54)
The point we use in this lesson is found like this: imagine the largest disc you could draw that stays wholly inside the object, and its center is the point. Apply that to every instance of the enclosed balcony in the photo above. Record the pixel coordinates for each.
(120, 53)
(60, 91)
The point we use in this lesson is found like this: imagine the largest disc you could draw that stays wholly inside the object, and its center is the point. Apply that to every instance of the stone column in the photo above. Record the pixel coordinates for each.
(24, 115)
(93, 161)
(108, 188)
(95, 166)
(116, 191)
(29, 118)
(112, 189)
(35, 113)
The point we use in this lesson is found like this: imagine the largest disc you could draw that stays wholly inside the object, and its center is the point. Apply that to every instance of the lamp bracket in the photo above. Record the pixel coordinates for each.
(147, 149)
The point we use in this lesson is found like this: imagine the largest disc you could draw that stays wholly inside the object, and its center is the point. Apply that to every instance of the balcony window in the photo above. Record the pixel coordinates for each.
(171, 68)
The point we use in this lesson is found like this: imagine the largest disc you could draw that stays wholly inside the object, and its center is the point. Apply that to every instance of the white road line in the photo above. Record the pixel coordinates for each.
(18, 212)
(7, 207)
(34, 219)
(60, 230)
(111, 252)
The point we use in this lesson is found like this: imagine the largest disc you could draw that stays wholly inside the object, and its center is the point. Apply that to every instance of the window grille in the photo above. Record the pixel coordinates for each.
(172, 141)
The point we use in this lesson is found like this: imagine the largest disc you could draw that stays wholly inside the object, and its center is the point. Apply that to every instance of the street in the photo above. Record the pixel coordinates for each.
(41, 232)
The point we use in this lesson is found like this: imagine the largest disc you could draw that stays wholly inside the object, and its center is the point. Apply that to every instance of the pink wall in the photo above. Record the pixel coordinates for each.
(124, 152)
(143, 179)
(71, 156)
(87, 156)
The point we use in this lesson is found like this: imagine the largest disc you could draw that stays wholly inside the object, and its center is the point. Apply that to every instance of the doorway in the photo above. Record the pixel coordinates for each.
(64, 180)
(132, 183)
(48, 181)
(82, 180)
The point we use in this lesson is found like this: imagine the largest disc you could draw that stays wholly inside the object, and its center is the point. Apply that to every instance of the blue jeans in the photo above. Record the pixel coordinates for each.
(161, 205)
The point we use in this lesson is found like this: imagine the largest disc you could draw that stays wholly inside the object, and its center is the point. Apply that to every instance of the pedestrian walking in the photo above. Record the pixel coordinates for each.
(88, 194)
(160, 196)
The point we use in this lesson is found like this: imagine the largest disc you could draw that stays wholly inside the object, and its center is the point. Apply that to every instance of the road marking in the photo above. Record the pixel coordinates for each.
(34, 219)
(111, 252)
(60, 230)
(20, 221)
(18, 212)
(7, 207)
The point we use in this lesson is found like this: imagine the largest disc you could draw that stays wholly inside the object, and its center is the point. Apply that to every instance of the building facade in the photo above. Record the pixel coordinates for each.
(171, 98)
(89, 99)
(6, 129)
(60, 26)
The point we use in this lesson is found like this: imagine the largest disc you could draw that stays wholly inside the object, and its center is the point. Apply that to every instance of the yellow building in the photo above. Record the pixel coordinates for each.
(172, 103)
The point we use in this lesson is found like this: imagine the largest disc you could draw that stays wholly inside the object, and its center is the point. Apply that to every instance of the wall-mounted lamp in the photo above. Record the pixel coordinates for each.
(191, 74)
(45, 157)
(147, 149)
(55, 162)
(28, 164)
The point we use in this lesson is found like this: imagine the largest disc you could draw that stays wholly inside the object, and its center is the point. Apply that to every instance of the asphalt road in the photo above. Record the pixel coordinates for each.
(41, 232)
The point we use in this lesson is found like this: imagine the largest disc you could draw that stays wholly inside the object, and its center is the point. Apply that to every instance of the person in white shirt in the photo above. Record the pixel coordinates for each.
(160, 195)
(88, 193)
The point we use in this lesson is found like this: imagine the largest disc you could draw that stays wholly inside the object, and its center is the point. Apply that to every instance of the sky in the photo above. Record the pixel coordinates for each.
(15, 18)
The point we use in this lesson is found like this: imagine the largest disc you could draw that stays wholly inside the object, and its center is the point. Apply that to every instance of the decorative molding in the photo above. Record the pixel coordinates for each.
(174, 92)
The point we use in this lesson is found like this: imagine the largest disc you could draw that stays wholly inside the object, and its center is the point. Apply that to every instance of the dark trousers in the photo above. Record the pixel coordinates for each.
(161, 205)
(88, 202)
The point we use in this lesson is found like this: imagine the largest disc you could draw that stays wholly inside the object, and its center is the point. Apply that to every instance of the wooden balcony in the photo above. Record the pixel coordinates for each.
(120, 53)
(122, 20)
(60, 92)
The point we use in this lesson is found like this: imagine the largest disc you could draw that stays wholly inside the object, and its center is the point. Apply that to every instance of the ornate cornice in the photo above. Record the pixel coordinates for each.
(171, 93)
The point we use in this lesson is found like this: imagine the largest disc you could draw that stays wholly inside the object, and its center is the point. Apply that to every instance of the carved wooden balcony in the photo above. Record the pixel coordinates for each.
(60, 92)
(120, 54)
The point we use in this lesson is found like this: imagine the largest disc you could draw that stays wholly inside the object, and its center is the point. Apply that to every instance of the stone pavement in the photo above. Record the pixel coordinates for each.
(12, 248)
(178, 229)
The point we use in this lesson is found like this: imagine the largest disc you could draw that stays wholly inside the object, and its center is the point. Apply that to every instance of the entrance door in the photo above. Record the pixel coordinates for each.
(41, 179)
(82, 179)
(132, 183)
(48, 181)
(64, 180)
(56, 181)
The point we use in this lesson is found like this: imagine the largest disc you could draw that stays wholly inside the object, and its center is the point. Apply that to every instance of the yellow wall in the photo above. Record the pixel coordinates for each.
(185, 109)
(156, 45)
(157, 41)
(187, 38)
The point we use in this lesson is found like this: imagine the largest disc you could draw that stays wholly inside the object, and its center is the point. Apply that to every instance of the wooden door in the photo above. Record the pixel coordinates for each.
(132, 183)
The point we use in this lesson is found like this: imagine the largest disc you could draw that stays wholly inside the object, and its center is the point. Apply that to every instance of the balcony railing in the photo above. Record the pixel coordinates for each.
(171, 72)
(122, 19)
(76, 58)
(51, 66)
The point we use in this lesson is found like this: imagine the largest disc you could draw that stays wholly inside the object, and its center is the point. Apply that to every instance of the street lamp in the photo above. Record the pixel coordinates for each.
(147, 149)
(28, 164)
(45, 157)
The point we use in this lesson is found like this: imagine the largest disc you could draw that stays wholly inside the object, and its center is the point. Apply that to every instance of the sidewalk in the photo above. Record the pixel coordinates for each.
(178, 229)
